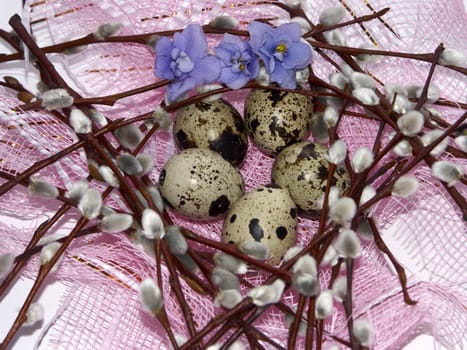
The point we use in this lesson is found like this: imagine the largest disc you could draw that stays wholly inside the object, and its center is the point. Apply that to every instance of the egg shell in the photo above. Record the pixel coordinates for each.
(267, 215)
(216, 125)
(198, 183)
(302, 168)
(276, 119)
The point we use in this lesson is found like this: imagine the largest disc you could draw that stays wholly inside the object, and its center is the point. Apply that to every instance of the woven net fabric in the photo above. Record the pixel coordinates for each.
(102, 310)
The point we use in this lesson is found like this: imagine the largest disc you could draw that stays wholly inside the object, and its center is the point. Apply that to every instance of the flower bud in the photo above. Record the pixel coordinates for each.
(361, 80)
(268, 293)
(306, 264)
(34, 314)
(175, 240)
(330, 257)
(108, 176)
(107, 29)
(147, 163)
(207, 88)
(55, 99)
(447, 171)
(431, 137)
(48, 251)
(343, 210)
(347, 243)
(362, 159)
(324, 305)
(230, 263)
(405, 186)
(256, 250)
(433, 94)
(224, 22)
(163, 118)
(364, 230)
(335, 37)
(366, 96)
(77, 190)
(339, 288)
(156, 198)
(90, 204)
(334, 195)
(129, 164)
(292, 252)
(363, 332)
(129, 136)
(98, 117)
(402, 148)
(151, 222)
(224, 279)
(302, 75)
(263, 77)
(461, 142)
(151, 296)
(228, 298)
(42, 188)
(80, 122)
(330, 117)
(337, 152)
(452, 57)
(331, 15)
(6, 263)
(306, 284)
(338, 80)
(116, 222)
(411, 123)
(367, 193)
(189, 263)
(50, 238)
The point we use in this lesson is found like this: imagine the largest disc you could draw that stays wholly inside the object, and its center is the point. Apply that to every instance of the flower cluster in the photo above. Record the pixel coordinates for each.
(186, 62)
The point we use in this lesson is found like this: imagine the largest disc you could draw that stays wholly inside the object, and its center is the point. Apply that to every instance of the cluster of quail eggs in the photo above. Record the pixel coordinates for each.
(203, 182)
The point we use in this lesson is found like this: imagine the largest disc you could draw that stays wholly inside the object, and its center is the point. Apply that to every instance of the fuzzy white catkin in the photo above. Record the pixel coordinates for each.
(405, 186)
(267, 294)
(335, 37)
(411, 123)
(116, 222)
(34, 314)
(334, 195)
(324, 305)
(129, 136)
(362, 159)
(461, 142)
(150, 296)
(151, 222)
(343, 210)
(56, 99)
(207, 88)
(292, 252)
(338, 80)
(331, 15)
(156, 198)
(224, 22)
(452, 57)
(80, 122)
(6, 262)
(224, 279)
(98, 117)
(367, 193)
(228, 298)
(304, 25)
(339, 288)
(365, 231)
(363, 332)
(330, 116)
(447, 171)
(361, 80)
(430, 137)
(90, 204)
(48, 251)
(366, 96)
(146, 161)
(330, 257)
(403, 149)
(107, 29)
(337, 152)
(433, 93)
(108, 176)
(175, 240)
(51, 238)
(77, 190)
(129, 164)
(347, 243)
(263, 77)
(305, 264)
(162, 118)
(42, 188)
(255, 250)
(230, 263)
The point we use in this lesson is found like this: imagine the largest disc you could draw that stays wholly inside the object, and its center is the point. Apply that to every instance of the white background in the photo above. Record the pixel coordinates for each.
(51, 295)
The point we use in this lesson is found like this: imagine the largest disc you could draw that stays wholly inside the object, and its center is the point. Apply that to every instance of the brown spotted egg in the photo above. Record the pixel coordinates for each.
(267, 215)
(302, 168)
(215, 125)
(199, 183)
(276, 119)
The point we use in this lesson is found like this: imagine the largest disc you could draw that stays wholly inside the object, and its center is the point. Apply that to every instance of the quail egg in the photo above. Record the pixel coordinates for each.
(276, 119)
(215, 125)
(302, 168)
(198, 183)
(267, 215)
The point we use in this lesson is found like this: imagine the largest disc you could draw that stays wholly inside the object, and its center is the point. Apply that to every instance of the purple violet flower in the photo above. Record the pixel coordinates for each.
(281, 50)
(185, 61)
(238, 62)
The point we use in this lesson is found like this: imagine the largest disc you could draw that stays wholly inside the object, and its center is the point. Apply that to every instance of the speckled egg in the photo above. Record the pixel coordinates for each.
(267, 215)
(302, 168)
(276, 119)
(199, 183)
(215, 125)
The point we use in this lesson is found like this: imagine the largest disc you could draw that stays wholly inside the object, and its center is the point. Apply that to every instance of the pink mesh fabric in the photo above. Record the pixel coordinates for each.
(426, 232)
